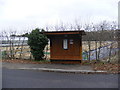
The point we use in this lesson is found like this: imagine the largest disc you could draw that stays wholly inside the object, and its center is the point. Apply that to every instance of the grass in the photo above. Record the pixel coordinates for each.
(26, 61)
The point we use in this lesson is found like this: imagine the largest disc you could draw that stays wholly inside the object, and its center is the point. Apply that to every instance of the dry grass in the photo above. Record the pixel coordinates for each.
(111, 68)
(26, 61)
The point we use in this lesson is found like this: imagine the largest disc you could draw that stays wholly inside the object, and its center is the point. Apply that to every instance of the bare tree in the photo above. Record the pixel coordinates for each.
(22, 47)
(78, 25)
(97, 33)
(6, 37)
(12, 37)
(87, 28)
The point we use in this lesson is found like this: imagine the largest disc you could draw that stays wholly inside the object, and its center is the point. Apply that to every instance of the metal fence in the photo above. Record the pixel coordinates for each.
(106, 48)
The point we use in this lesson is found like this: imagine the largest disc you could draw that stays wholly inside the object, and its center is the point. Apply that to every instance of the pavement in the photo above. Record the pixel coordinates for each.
(62, 68)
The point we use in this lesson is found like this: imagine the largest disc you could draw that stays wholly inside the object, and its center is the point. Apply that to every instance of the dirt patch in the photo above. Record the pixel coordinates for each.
(110, 68)
(26, 61)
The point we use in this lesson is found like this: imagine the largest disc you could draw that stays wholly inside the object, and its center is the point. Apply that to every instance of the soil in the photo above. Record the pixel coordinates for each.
(109, 67)
(26, 61)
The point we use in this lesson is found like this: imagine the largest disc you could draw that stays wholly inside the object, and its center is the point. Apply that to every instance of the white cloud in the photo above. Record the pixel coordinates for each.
(31, 13)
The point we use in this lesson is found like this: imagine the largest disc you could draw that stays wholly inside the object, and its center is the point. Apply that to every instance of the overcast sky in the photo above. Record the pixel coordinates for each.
(26, 14)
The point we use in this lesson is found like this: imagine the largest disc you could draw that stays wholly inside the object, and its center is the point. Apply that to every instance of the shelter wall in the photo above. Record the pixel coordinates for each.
(74, 51)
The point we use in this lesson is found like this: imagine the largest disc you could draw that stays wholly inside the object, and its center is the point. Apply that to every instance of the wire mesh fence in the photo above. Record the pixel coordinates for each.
(106, 48)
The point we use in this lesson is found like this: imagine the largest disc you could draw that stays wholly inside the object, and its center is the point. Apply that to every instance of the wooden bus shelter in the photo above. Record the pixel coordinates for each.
(65, 46)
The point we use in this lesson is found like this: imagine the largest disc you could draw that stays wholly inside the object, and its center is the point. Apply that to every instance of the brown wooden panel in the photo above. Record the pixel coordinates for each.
(74, 51)
(65, 32)
(62, 33)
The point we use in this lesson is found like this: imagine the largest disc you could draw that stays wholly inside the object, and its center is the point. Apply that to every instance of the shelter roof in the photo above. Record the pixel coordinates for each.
(81, 32)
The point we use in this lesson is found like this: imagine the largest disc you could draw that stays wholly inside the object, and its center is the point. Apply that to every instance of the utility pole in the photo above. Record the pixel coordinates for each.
(118, 32)
(119, 15)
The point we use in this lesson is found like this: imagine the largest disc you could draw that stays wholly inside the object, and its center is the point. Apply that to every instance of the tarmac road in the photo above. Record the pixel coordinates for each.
(13, 78)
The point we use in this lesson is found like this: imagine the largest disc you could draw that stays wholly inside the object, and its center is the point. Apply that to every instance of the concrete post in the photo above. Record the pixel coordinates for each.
(118, 32)
(119, 15)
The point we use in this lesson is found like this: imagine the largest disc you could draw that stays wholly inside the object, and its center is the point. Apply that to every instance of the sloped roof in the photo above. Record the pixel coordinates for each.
(81, 32)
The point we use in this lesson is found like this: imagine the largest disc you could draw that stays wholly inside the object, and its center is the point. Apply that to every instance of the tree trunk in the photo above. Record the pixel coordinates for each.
(99, 50)
(96, 51)
(89, 46)
(21, 51)
(18, 45)
(110, 53)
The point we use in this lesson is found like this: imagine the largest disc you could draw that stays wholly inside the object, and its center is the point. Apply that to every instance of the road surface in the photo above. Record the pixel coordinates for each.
(36, 79)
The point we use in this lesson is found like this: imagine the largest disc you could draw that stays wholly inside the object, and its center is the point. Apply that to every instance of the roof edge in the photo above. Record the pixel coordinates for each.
(81, 32)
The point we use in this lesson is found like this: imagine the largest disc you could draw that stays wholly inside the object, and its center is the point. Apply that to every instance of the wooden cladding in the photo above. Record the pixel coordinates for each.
(63, 49)
(65, 45)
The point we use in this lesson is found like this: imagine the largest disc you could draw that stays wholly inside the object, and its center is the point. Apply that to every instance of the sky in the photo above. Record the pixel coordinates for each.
(23, 15)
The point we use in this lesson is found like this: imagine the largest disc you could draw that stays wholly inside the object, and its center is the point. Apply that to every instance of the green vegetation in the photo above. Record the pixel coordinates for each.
(3, 54)
(37, 42)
